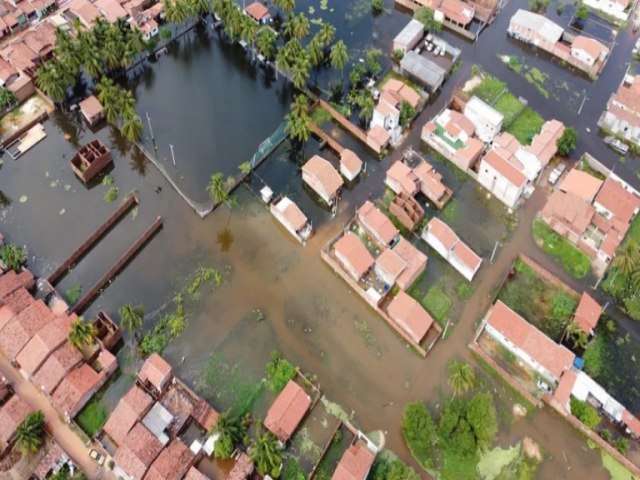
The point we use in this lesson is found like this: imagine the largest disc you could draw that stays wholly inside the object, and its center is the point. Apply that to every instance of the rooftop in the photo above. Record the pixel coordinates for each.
(553, 357)
(12, 414)
(544, 27)
(138, 451)
(425, 70)
(325, 174)
(409, 32)
(377, 223)
(129, 410)
(354, 464)
(48, 339)
(587, 313)
(156, 371)
(54, 369)
(505, 168)
(581, 184)
(287, 411)
(72, 392)
(352, 250)
(410, 315)
(172, 463)
(91, 107)
(257, 11)
(391, 263)
(593, 47)
(614, 198)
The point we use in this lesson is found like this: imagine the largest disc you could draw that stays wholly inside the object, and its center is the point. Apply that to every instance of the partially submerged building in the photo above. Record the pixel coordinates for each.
(320, 175)
(356, 463)
(292, 218)
(423, 70)
(622, 115)
(287, 411)
(376, 224)
(409, 36)
(445, 241)
(92, 110)
(90, 160)
(410, 316)
(350, 164)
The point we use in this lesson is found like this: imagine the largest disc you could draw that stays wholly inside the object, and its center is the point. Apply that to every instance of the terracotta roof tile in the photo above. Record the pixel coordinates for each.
(172, 463)
(377, 223)
(391, 263)
(156, 371)
(43, 343)
(620, 202)
(18, 300)
(325, 174)
(354, 464)
(242, 469)
(138, 451)
(587, 313)
(401, 174)
(12, 414)
(15, 335)
(416, 262)
(129, 410)
(54, 369)
(76, 389)
(195, 474)
(287, 411)
(350, 249)
(257, 11)
(581, 184)
(410, 315)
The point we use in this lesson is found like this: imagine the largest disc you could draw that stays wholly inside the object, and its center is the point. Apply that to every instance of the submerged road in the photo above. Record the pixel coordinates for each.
(58, 429)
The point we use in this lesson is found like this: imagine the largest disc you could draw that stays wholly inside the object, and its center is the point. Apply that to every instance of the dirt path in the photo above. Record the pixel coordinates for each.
(59, 430)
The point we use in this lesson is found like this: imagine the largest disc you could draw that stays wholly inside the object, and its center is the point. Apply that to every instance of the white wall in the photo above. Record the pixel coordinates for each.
(497, 184)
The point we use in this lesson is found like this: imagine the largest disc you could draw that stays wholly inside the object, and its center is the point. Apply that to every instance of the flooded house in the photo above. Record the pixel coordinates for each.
(622, 115)
(407, 210)
(292, 218)
(287, 411)
(350, 164)
(243, 467)
(445, 241)
(415, 263)
(136, 453)
(587, 314)
(90, 160)
(356, 462)
(410, 316)
(130, 410)
(173, 462)
(155, 374)
(353, 255)
(376, 224)
(258, 12)
(54, 460)
(323, 179)
(485, 120)
(91, 110)
(409, 36)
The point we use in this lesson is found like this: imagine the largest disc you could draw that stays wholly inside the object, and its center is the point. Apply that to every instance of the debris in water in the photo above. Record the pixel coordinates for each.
(67, 188)
(61, 212)
(23, 199)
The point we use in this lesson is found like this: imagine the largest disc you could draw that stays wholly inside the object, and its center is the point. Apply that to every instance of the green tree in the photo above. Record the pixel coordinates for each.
(315, 53)
(567, 142)
(265, 453)
(296, 26)
(300, 72)
(627, 258)
(109, 98)
(279, 371)
(462, 377)
(481, 415)
(419, 431)
(339, 56)
(54, 78)
(286, 6)
(407, 112)
(425, 15)
(217, 189)
(377, 6)
(131, 318)
(577, 336)
(584, 412)
(245, 168)
(582, 12)
(131, 126)
(7, 98)
(231, 430)
(13, 256)
(326, 34)
(81, 333)
(30, 433)
(371, 61)
(367, 104)
(266, 43)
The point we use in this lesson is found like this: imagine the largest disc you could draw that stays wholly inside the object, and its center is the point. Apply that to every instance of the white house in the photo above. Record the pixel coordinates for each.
(501, 177)
(409, 37)
(444, 240)
(615, 8)
(350, 164)
(486, 119)
(588, 50)
(526, 342)
(386, 116)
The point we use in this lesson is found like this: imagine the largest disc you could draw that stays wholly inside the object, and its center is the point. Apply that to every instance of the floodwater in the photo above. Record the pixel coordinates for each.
(310, 314)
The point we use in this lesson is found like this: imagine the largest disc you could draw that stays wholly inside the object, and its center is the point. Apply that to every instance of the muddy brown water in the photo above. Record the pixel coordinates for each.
(311, 315)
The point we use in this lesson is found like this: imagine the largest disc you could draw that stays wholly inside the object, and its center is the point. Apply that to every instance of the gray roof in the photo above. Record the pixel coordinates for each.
(410, 32)
(428, 72)
(157, 421)
(542, 25)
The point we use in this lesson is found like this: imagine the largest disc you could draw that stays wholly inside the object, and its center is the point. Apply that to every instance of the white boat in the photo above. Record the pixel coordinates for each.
(292, 218)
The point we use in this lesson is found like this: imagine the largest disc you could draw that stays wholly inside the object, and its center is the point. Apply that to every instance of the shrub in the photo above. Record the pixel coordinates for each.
(111, 195)
(582, 13)
(585, 413)
(425, 15)
(419, 432)
(279, 371)
(622, 445)
(567, 142)
(377, 6)
(13, 256)
(407, 112)
(398, 54)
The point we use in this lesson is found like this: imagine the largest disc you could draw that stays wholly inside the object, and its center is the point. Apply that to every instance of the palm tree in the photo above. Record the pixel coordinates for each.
(296, 26)
(315, 54)
(131, 318)
(52, 80)
(577, 336)
(30, 433)
(109, 98)
(462, 377)
(286, 6)
(217, 189)
(627, 259)
(231, 430)
(367, 105)
(266, 454)
(81, 333)
(131, 126)
(300, 72)
(299, 105)
(326, 34)
(298, 127)
(249, 31)
(339, 56)
(266, 43)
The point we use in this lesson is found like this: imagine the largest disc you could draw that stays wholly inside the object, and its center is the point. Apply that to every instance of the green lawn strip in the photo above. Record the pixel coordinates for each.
(525, 126)
(93, 416)
(509, 106)
(517, 396)
(437, 303)
(489, 88)
(575, 262)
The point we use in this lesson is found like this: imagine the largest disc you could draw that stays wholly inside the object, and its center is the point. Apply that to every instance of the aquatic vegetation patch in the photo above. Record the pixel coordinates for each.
(72, 294)
(526, 125)
(278, 372)
(450, 211)
(464, 290)
(306, 446)
(336, 410)
(111, 195)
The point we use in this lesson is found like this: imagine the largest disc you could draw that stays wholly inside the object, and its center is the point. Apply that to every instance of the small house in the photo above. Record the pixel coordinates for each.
(486, 119)
(128, 412)
(350, 164)
(502, 177)
(91, 110)
(355, 464)
(155, 374)
(409, 36)
(258, 12)
(377, 224)
(410, 316)
(287, 411)
(353, 255)
(588, 50)
(292, 218)
(90, 160)
(587, 314)
(320, 175)
(389, 266)
(136, 454)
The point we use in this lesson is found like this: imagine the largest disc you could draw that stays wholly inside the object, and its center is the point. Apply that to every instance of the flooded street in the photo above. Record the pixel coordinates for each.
(208, 101)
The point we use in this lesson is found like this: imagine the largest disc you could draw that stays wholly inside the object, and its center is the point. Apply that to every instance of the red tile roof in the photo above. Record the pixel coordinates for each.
(351, 250)
(441, 231)
(257, 11)
(410, 315)
(354, 464)
(76, 389)
(48, 462)
(324, 173)
(621, 203)
(18, 300)
(505, 168)
(466, 255)
(15, 335)
(172, 463)
(593, 47)
(91, 107)
(11, 281)
(204, 414)
(632, 422)
(377, 223)
(138, 451)
(287, 411)
(570, 210)
(54, 369)
(129, 410)
(564, 389)
(12, 414)
(43, 344)
(391, 264)
(581, 184)
(587, 313)
(350, 161)
(553, 357)
(457, 11)
(401, 174)
(156, 371)
(416, 262)
(242, 469)
(195, 474)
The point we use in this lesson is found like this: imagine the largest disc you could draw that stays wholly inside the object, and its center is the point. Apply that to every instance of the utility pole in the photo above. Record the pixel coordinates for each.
(173, 157)
(494, 252)
(153, 139)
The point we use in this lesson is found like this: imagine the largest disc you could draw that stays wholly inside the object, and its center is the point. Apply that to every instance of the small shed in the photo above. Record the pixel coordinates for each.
(287, 411)
(91, 109)
(350, 164)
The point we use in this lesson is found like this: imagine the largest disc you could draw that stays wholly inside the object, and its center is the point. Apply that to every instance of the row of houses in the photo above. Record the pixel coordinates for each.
(592, 213)
(582, 52)
(457, 11)
(14, 410)
(34, 337)
(473, 141)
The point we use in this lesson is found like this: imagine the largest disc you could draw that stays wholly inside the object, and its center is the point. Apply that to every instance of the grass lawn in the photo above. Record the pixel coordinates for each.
(525, 126)
(437, 303)
(489, 89)
(575, 262)
(92, 417)
(509, 106)
(547, 307)
(464, 290)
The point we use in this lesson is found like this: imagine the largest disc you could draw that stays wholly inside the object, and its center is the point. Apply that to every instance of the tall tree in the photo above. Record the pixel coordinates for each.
(462, 378)
(265, 453)
(131, 126)
(131, 318)
(627, 258)
(217, 189)
(266, 43)
(339, 56)
(81, 333)
(326, 34)
(300, 72)
(286, 6)
(30, 433)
